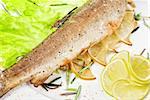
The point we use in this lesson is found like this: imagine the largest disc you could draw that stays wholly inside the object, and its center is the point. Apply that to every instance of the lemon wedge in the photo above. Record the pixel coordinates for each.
(114, 71)
(125, 90)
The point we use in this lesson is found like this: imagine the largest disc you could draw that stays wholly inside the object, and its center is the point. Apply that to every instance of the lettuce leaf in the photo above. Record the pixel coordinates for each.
(26, 23)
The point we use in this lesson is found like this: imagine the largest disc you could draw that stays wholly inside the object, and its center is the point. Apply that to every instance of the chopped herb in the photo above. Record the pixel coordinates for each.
(135, 29)
(85, 68)
(73, 80)
(63, 4)
(148, 56)
(145, 23)
(72, 11)
(51, 84)
(44, 87)
(71, 89)
(55, 79)
(68, 93)
(142, 51)
(54, 86)
(78, 93)
(137, 16)
(56, 71)
(68, 77)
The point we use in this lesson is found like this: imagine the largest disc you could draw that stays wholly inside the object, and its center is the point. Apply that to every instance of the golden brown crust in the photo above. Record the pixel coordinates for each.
(92, 23)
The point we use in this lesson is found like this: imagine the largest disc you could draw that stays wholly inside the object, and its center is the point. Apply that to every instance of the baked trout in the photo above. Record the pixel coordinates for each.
(89, 24)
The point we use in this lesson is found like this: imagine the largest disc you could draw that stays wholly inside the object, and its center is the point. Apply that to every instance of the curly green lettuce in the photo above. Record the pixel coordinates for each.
(24, 24)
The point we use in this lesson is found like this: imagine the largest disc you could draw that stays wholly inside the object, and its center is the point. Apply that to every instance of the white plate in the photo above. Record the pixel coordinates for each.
(91, 90)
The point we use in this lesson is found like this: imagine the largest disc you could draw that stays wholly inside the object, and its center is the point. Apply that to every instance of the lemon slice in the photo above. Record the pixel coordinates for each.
(86, 74)
(124, 90)
(81, 66)
(137, 74)
(114, 71)
(124, 55)
(140, 68)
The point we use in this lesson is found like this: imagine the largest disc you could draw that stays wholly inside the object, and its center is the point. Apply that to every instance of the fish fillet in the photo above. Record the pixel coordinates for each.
(88, 25)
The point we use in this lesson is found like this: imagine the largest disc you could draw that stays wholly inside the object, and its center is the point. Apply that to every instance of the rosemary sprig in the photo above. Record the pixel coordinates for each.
(142, 51)
(72, 89)
(55, 80)
(63, 4)
(135, 29)
(85, 68)
(145, 23)
(148, 56)
(51, 84)
(78, 93)
(73, 80)
(68, 93)
(68, 77)
(55, 86)
(44, 87)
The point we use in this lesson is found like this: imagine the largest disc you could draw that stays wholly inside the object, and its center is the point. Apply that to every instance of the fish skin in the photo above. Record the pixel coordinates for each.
(88, 25)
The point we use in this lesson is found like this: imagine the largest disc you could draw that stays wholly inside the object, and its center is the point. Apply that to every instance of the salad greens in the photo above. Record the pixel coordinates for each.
(26, 23)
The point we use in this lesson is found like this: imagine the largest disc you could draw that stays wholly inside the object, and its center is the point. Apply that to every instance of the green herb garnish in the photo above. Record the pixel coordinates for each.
(142, 51)
(51, 84)
(68, 93)
(78, 93)
(55, 80)
(85, 68)
(63, 4)
(145, 23)
(68, 77)
(135, 29)
(137, 16)
(73, 80)
(71, 89)
(148, 56)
